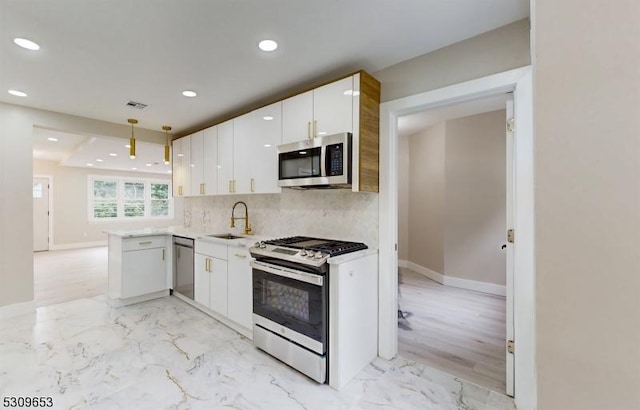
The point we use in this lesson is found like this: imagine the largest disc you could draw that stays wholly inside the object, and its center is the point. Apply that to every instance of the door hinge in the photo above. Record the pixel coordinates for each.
(510, 236)
(511, 125)
(510, 346)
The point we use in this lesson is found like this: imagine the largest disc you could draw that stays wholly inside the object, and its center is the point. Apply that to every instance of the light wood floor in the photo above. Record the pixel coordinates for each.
(61, 276)
(458, 331)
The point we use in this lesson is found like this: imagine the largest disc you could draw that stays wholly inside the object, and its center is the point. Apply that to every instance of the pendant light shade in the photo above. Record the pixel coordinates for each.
(167, 149)
(132, 140)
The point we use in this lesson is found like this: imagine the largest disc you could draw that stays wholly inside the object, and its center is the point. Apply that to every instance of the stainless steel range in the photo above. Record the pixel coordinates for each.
(291, 300)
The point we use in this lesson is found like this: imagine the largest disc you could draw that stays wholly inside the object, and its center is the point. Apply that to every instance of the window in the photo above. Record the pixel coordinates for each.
(113, 198)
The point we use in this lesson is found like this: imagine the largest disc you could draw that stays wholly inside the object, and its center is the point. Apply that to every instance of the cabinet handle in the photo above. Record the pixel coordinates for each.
(204, 188)
(241, 256)
(308, 129)
(230, 186)
(179, 189)
(253, 185)
(206, 264)
(163, 254)
(145, 243)
(234, 185)
(315, 128)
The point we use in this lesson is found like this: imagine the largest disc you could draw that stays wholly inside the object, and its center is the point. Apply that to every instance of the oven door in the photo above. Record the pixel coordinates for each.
(292, 304)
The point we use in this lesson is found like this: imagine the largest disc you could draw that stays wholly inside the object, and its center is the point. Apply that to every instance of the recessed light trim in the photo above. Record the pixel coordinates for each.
(18, 93)
(26, 44)
(52, 139)
(189, 93)
(267, 45)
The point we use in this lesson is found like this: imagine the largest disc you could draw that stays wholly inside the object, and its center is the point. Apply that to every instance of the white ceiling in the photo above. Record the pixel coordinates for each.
(413, 123)
(96, 55)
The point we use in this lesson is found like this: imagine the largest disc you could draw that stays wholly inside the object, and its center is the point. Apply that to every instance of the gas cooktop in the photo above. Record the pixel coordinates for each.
(330, 247)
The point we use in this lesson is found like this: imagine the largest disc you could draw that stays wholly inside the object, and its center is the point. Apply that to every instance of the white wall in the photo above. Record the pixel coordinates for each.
(16, 208)
(587, 212)
(70, 200)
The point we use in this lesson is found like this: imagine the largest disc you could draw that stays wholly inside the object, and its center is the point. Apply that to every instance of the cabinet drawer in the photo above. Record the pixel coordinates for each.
(143, 242)
(215, 250)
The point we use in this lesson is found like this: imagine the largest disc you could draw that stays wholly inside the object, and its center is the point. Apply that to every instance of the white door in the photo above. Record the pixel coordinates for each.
(40, 214)
(297, 117)
(333, 108)
(510, 251)
(225, 158)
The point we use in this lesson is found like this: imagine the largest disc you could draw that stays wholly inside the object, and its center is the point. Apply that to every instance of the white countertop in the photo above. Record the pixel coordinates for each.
(351, 256)
(245, 241)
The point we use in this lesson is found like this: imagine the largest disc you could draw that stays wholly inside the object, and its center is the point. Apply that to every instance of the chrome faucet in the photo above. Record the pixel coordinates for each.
(247, 225)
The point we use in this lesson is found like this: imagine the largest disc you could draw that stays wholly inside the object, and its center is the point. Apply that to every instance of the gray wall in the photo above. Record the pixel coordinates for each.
(489, 53)
(587, 203)
(456, 198)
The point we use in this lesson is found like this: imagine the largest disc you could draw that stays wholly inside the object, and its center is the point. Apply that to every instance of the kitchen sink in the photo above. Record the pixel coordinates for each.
(226, 236)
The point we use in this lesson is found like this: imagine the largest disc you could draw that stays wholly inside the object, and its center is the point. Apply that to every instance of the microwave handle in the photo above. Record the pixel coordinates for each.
(323, 160)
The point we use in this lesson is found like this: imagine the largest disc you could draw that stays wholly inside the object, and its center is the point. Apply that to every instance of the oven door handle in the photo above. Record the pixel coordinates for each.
(288, 273)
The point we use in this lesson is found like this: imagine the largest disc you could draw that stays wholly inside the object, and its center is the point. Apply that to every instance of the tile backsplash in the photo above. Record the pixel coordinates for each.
(327, 213)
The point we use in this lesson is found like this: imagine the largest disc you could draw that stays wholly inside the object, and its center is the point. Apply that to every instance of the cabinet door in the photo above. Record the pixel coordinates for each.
(218, 285)
(176, 167)
(333, 108)
(143, 272)
(297, 117)
(209, 157)
(243, 160)
(267, 136)
(225, 158)
(186, 166)
(196, 142)
(240, 288)
(201, 276)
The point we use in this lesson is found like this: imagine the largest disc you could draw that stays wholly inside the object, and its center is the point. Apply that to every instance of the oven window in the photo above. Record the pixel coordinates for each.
(300, 164)
(287, 300)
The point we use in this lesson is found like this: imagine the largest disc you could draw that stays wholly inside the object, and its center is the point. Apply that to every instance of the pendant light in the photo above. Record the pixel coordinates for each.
(132, 140)
(167, 149)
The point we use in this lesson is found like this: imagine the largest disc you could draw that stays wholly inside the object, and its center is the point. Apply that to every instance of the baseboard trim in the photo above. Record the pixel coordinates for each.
(431, 274)
(77, 245)
(469, 284)
(17, 309)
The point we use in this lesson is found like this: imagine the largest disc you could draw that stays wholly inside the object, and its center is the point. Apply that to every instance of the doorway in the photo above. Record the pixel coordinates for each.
(452, 218)
(41, 213)
(522, 287)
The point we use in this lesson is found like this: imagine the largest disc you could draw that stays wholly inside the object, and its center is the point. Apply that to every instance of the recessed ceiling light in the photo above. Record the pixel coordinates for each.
(52, 139)
(89, 164)
(99, 160)
(18, 93)
(113, 154)
(267, 118)
(28, 44)
(189, 93)
(134, 168)
(267, 45)
(148, 164)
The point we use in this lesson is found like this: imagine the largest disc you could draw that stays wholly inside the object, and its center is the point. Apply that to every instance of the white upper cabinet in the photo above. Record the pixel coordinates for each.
(181, 167)
(333, 108)
(267, 135)
(243, 134)
(204, 174)
(225, 158)
(323, 111)
(297, 117)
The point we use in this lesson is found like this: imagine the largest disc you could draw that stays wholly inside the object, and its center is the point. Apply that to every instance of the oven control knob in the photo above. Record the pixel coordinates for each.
(262, 245)
(257, 245)
(303, 252)
(319, 255)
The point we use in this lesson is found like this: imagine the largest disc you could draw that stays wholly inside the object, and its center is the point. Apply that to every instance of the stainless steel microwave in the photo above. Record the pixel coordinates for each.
(322, 162)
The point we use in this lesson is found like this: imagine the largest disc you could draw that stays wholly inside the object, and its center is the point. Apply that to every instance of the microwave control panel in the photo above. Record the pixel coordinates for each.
(335, 159)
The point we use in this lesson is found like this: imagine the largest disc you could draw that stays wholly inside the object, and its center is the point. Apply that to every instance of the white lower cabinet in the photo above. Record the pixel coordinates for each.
(222, 281)
(239, 287)
(210, 277)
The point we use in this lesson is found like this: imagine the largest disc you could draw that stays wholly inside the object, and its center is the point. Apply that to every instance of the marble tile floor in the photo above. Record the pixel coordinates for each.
(164, 354)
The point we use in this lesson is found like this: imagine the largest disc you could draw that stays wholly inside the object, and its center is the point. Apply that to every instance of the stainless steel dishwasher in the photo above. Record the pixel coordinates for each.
(183, 266)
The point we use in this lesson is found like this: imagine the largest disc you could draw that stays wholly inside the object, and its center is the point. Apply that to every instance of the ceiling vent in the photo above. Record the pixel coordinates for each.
(136, 105)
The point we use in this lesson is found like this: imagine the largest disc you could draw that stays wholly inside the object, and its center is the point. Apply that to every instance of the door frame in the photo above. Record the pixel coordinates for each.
(50, 218)
(518, 81)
